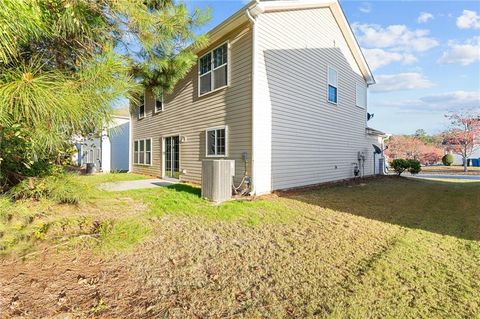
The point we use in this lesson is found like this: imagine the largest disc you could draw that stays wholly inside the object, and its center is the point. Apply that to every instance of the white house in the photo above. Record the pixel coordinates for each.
(110, 151)
(281, 89)
(458, 160)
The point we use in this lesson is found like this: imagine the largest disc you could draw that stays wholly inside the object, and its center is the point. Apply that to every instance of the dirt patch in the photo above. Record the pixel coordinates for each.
(64, 285)
(193, 269)
(51, 285)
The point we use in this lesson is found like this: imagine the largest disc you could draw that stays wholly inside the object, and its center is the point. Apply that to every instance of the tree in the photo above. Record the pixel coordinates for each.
(64, 62)
(412, 147)
(463, 136)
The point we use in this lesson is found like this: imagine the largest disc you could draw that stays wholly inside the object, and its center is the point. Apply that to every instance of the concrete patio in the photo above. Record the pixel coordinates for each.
(139, 184)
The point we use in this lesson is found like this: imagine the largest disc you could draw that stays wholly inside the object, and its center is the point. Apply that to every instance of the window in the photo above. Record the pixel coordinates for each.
(332, 93)
(141, 107)
(142, 152)
(216, 142)
(159, 104)
(213, 70)
(135, 152)
(361, 95)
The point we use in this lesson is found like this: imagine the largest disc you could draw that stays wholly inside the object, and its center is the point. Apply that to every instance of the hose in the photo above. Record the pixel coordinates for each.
(236, 188)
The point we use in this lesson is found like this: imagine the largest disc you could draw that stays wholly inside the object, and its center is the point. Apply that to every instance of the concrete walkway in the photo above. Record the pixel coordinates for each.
(139, 184)
(446, 176)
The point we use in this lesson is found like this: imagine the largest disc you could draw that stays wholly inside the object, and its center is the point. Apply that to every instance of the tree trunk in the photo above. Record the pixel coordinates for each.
(465, 162)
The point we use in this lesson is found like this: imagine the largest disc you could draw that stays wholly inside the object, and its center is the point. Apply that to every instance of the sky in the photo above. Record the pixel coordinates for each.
(425, 57)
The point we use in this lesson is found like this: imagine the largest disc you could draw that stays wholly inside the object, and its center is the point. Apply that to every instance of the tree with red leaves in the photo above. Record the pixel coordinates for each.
(463, 136)
(412, 147)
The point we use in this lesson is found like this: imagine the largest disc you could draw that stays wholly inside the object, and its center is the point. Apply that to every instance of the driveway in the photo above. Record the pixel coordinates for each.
(446, 176)
(139, 184)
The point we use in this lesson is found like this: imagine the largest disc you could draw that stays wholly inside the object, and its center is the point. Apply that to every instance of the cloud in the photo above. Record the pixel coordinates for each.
(400, 82)
(377, 58)
(461, 53)
(468, 20)
(449, 101)
(396, 37)
(365, 7)
(466, 98)
(424, 17)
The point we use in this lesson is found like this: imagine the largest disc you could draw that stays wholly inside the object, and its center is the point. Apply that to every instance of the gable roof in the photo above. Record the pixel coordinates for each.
(257, 7)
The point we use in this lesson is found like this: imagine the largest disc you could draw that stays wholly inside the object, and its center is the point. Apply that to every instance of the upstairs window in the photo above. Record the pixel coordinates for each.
(159, 104)
(141, 107)
(332, 83)
(216, 142)
(142, 152)
(361, 95)
(213, 70)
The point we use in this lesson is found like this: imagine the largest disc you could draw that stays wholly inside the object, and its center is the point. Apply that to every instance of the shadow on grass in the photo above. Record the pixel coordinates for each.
(444, 208)
(186, 188)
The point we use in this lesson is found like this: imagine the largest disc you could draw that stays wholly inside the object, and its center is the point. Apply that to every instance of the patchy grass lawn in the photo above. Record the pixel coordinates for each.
(385, 248)
(454, 170)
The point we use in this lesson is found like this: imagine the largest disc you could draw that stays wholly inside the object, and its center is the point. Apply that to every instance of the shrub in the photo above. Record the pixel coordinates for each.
(60, 188)
(400, 165)
(447, 159)
(414, 166)
(20, 160)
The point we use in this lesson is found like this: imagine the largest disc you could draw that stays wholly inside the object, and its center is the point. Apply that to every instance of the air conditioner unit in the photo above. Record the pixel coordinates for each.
(217, 179)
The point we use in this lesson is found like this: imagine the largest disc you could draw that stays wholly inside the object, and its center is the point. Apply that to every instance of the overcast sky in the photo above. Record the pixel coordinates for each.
(425, 56)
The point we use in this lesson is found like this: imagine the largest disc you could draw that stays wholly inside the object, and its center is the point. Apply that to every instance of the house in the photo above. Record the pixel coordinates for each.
(473, 158)
(454, 146)
(281, 89)
(108, 150)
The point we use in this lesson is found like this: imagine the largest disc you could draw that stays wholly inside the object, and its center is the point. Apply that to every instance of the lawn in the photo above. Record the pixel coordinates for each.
(455, 170)
(382, 248)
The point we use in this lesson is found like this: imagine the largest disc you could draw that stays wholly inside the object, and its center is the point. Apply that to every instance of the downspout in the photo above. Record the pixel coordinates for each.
(254, 66)
(130, 137)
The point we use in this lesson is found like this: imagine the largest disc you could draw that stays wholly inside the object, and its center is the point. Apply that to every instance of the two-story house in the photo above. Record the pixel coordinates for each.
(282, 90)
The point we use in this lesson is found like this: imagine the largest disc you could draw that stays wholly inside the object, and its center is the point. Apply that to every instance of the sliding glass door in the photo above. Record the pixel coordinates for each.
(172, 157)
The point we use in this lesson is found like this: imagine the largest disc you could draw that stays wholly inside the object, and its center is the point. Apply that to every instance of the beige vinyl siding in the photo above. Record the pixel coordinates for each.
(188, 115)
(313, 141)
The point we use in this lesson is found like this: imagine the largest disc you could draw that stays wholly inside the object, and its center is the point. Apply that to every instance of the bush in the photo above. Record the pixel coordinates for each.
(60, 188)
(401, 165)
(414, 166)
(447, 159)
(21, 159)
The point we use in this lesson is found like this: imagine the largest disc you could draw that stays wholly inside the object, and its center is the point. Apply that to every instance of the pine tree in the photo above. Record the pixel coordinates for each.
(63, 63)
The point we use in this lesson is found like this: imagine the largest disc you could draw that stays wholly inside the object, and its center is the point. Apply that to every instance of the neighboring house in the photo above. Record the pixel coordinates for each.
(282, 90)
(473, 157)
(458, 160)
(109, 151)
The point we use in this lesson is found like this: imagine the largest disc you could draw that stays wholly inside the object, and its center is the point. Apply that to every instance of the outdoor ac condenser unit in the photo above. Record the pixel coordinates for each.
(217, 179)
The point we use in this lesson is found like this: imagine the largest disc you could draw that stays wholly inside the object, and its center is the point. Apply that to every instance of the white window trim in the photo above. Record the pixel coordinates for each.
(357, 84)
(179, 153)
(225, 127)
(328, 83)
(155, 107)
(144, 107)
(212, 68)
(144, 152)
